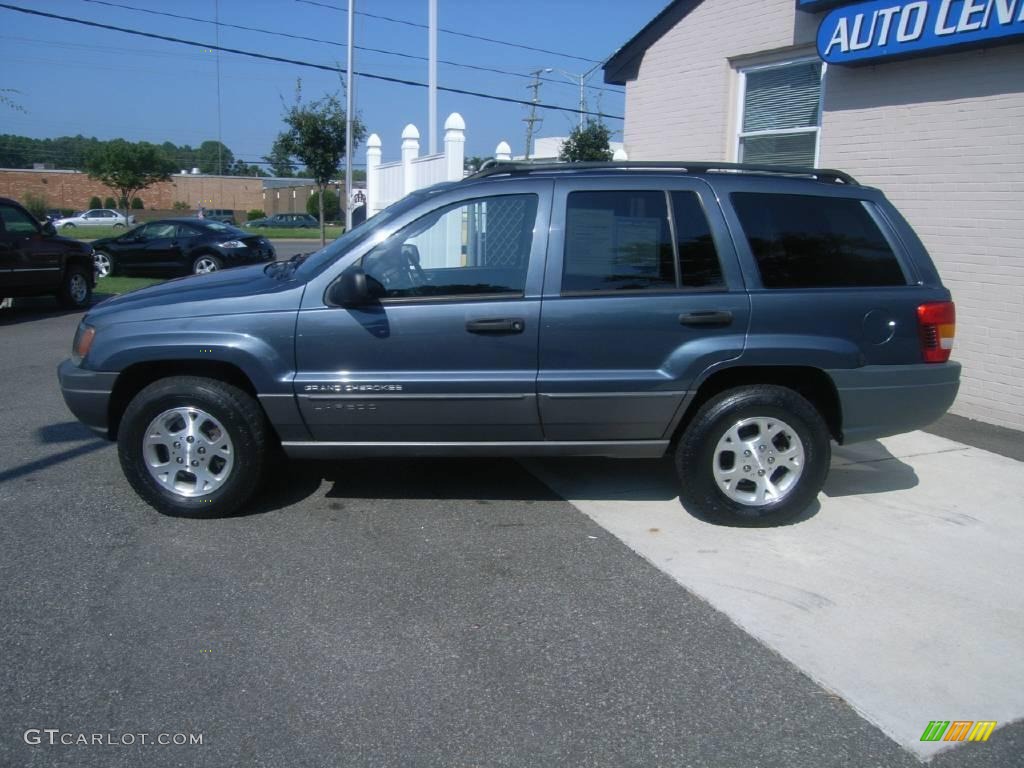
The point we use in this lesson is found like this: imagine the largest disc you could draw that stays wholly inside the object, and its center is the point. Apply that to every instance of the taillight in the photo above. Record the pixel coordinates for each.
(936, 322)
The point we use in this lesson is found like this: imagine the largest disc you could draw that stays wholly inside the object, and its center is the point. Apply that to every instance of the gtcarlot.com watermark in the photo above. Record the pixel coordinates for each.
(55, 736)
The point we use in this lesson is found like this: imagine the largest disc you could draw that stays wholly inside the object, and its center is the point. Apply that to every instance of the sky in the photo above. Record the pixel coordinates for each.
(79, 80)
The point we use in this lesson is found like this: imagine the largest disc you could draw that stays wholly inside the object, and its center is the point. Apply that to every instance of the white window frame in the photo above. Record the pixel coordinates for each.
(742, 99)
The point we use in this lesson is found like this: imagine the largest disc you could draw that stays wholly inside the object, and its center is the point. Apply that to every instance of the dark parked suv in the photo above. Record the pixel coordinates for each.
(740, 317)
(34, 261)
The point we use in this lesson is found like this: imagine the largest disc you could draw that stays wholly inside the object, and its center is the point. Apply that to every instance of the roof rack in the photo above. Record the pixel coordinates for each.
(495, 167)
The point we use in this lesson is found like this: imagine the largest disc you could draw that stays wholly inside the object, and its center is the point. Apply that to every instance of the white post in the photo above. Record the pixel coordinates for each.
(349, 96)
(373, 154)
(410, 151)
(454, 146)
(432, 84)
(503, 151)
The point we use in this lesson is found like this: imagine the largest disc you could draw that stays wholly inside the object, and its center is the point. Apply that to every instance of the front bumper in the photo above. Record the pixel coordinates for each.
(87, 395)
(882, 400)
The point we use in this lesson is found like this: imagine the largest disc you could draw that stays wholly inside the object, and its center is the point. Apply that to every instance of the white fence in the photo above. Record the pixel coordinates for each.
(388, 182)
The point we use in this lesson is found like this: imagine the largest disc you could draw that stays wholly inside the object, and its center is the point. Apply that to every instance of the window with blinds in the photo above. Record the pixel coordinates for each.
(781, 114)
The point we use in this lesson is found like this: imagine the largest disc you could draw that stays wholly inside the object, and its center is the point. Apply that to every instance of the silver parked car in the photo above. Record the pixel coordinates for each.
(96, 217)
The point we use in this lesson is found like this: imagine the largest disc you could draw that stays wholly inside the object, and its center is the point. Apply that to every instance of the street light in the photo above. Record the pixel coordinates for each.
(581, 79)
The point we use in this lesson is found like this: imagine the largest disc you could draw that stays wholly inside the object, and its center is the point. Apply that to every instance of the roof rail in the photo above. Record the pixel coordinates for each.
(495, 167)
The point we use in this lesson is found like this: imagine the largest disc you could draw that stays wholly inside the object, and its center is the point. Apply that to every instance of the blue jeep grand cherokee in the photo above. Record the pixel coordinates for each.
(740, 317)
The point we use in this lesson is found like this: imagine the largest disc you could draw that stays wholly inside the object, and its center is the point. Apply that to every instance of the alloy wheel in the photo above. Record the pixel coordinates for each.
(188, 451)
(758, 461)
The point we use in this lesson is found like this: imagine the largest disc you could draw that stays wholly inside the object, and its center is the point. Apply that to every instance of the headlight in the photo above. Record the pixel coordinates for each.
(83, 342)
(232, 244)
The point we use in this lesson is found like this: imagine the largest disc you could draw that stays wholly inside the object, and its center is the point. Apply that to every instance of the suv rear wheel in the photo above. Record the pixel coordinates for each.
(193, 446)
(754, 455)
(75, 291)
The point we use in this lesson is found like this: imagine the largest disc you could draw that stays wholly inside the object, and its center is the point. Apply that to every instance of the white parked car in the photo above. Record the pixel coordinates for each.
(96, 217)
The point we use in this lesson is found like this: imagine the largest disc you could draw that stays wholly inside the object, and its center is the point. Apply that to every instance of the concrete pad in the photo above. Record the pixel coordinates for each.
(901, 592)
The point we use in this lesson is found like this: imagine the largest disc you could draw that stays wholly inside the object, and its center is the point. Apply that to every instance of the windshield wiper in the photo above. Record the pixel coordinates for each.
(282, 268)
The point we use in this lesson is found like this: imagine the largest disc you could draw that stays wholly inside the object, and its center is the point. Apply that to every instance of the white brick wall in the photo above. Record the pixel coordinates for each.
(942, 136)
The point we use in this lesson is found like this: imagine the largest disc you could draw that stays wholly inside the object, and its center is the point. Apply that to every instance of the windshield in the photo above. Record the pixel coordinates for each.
(217, 226)
(313, 263)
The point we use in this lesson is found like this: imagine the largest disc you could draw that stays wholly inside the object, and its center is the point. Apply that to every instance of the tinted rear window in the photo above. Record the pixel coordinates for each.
(808, 241)
(698, 260)
(617, 241)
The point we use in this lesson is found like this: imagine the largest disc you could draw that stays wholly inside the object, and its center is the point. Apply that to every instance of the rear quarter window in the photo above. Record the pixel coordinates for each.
(812, 241)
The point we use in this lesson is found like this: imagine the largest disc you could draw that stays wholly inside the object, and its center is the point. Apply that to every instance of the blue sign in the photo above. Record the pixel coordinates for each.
(879, 29)
(818, 5)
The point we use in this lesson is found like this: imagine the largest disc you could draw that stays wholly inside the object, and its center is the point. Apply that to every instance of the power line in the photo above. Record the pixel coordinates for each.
(335, 43)
(452, 32)
(296, 62)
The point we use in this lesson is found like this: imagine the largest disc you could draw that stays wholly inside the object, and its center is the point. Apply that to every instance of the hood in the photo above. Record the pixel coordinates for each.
(71, 243)
(242, 290)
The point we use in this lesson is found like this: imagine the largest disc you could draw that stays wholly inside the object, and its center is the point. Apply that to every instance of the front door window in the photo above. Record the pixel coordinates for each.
(475, 248)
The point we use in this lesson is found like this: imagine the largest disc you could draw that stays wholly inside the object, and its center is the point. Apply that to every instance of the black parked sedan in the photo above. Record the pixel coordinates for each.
(189, 246)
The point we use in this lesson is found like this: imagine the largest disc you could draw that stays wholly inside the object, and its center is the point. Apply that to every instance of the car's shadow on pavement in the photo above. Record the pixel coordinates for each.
(867, 468)
(38, 311)
(57, 434)
(27, 310)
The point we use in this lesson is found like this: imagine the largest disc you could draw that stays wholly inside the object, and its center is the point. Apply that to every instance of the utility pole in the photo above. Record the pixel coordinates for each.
(350, 62)
(533, 119)
(432, 85)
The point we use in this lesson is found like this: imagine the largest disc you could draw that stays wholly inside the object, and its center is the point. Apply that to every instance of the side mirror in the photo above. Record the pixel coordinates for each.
(49, 230)
(351, 289)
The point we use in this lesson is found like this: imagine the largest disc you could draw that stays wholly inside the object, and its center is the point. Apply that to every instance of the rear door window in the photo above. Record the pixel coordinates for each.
(698, 259)
(617, 241)
(810, 241)
(622, 241)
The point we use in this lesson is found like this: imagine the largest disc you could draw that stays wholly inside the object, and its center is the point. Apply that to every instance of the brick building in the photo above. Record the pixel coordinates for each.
(72, 189)
(922, 99)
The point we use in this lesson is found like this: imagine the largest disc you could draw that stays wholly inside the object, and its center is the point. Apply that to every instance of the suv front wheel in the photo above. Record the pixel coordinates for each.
(754, 455)
(193, 446)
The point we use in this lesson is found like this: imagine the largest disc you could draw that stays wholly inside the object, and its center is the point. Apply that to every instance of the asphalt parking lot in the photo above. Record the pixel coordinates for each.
(463, 613)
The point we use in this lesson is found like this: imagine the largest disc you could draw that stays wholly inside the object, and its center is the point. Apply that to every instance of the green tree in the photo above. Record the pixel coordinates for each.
(472, 164)
(315, 135)
(129, 168)
(109, 202)
(214, 157)
(280, 162)
(36, 205)
(95, 202)
(242, 168)
(332, 204)
(587, 142)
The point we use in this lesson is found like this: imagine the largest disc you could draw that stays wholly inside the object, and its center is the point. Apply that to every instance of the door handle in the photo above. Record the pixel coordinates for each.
(706, 317)
(496, 325)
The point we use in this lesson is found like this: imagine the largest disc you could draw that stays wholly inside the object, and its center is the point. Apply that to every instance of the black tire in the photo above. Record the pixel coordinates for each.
(696, 457)
(75, 291)
(218, 264)
(243, 421)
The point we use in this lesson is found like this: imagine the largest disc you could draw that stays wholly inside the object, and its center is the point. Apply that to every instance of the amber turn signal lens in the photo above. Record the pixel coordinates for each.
(83, 342)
